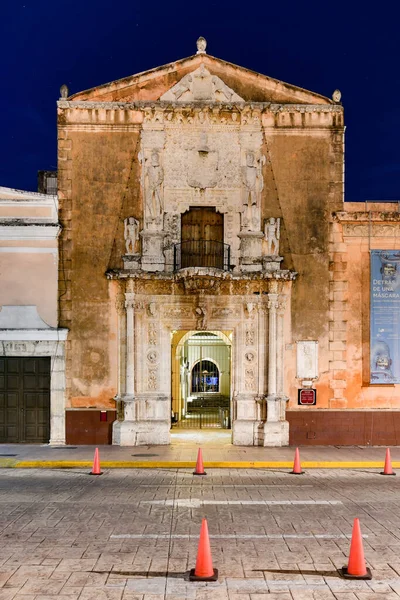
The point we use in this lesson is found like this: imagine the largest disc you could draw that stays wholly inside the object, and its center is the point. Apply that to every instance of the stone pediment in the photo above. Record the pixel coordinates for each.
(201, 86)
(180, 81)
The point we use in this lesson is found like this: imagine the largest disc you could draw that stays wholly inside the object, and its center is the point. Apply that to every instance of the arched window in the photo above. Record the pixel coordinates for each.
(205, 377)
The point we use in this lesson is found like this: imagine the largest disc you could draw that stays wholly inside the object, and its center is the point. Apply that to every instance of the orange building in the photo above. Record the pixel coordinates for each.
(210, 273)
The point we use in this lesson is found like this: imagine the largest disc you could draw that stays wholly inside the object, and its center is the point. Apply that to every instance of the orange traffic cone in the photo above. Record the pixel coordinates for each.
(356, 568)
(387, 470)
(199, 464)
(96, 464)
(204, 570)
(296, 465)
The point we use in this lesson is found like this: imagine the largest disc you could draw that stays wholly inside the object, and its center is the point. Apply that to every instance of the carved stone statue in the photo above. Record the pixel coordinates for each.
(131, 233)
(154, 177)
(201, 316)
(253, 183)
(272, 235)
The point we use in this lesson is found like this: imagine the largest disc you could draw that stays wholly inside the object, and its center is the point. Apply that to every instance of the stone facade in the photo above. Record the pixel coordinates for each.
(138, 155)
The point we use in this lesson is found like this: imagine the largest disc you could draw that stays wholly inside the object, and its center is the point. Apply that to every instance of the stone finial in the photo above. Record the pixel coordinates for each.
(64, 91)
(336, 96)
(201, 45)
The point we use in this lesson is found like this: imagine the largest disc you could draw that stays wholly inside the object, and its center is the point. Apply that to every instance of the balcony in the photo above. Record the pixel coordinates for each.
(202, 253)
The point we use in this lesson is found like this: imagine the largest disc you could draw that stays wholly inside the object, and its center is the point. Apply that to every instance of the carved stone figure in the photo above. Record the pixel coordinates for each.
(201, 316)
(253, 184)
(152, 309)
(272, 235)
(154, 178)
(131, 233)
(219, 86)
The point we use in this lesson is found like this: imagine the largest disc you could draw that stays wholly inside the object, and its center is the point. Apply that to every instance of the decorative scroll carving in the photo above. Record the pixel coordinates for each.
(177, 312)
(194, 285)
(250, 357)
(152, 333)
(223, 313)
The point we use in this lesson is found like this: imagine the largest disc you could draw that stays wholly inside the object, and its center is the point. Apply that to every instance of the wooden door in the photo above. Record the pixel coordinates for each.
(202, 237)
(24, 399)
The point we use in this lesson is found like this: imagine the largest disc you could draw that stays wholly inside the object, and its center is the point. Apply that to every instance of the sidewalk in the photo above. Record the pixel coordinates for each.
(217, 450)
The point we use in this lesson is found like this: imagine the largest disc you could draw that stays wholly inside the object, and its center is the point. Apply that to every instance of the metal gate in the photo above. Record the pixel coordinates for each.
(205, 383)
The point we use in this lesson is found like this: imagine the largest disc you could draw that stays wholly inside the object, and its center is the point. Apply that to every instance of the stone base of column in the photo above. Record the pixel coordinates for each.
(153, 258)
(250, 251)
(141, 433)
(276, 433)
(244, 433)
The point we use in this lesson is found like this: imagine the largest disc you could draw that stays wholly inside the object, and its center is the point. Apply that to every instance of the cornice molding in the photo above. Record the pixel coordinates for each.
(240, 106)
(29, 231)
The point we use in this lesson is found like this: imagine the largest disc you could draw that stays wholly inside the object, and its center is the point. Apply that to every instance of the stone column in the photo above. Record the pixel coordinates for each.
(130, 345)
(272, 409)
(123, 430)
(280, 373)
(276, 431)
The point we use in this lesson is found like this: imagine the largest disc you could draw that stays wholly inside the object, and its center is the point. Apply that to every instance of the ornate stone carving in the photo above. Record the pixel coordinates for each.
(249, 337)
(250, 357)
(253, 184)
(120, 304)
(203, 166)
(152, 380)
(152, 309)
(201, 45)
(152, 356)
(199, 284)
(64, 92)
(224, 313)
(250, 308)
(131, 233)
(272, 235)
(130, 301)
(201, 86)
(273, 286)
(180, 312)
(201, 317)
(152, 334)
(249, 382)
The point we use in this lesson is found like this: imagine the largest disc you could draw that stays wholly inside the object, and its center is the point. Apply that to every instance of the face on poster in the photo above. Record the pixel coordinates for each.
(385, 316)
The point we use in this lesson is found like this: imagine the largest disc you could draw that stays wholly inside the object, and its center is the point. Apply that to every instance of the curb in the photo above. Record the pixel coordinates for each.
(75, 464)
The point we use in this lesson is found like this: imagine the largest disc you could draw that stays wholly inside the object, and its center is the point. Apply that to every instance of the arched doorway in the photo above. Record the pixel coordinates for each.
(201, 380)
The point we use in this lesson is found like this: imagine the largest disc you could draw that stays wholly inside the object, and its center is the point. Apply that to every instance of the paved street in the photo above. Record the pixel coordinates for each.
(132, 534)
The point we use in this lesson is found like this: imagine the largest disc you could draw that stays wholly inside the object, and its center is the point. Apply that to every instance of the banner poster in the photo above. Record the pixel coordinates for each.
(385, 316)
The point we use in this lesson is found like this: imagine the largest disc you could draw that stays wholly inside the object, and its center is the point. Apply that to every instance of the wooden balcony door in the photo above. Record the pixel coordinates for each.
(202, 237)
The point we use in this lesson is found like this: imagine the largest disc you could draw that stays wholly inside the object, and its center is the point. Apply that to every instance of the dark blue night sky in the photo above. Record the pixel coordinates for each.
(319, 46)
